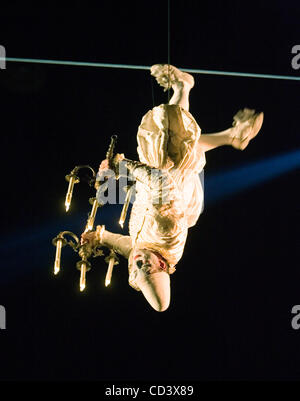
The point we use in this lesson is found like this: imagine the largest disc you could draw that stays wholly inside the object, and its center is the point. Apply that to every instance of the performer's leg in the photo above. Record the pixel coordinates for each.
(246, 126)
(181, 92)
(211, 141)
(181, 83)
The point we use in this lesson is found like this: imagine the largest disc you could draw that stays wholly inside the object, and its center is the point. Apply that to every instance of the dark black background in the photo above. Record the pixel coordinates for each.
(232, 294)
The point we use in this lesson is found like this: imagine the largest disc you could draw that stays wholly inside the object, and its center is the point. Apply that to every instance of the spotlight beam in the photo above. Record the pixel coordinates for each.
(226, 184)
(217, 187)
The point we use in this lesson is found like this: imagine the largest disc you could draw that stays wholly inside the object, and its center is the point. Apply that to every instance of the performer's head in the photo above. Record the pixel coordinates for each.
(149, 273)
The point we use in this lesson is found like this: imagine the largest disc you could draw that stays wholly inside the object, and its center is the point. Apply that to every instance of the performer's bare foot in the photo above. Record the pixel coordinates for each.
(169, 76)
(246, 126)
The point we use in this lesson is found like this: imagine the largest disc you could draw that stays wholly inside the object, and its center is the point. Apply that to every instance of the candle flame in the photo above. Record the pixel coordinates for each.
(109, 271)
(89, 226)
(69, 193)
(56, 269)
(91, 219)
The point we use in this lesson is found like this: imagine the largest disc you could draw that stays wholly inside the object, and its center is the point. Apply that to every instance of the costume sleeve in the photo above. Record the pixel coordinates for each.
(118, 242)
(154, 178)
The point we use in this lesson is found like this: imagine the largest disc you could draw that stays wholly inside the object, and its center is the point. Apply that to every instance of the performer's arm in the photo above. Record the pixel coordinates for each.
(155, 179)
(119, 243)
(138, 171)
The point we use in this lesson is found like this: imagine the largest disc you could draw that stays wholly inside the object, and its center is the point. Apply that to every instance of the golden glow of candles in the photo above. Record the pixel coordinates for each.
(125, 207)
(109, 271)
(82, 276)
(91, 219)
(121, 221)
(69, 193)
(57, 256)
(89, 225)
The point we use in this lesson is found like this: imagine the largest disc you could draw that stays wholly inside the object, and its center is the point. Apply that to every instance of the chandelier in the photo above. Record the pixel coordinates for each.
(87, 250)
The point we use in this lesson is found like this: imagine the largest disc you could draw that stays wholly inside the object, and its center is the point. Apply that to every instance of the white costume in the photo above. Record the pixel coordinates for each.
(170, 202)
(167, 140)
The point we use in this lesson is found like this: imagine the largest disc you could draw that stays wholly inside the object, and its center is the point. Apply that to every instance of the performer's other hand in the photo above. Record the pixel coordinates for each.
(118, 158)
(103, 172)
(88, 237)
(104, 165)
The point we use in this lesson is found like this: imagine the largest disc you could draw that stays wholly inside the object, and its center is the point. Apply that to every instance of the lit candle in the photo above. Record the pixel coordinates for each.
(82, 276)
(109, 270)
(72, 180)
(91, 219)
(57, 256)
(125, 206)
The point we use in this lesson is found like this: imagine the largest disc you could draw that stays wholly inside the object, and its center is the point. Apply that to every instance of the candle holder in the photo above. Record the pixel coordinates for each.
(111, 260)
(85, 250)
(73, 179)
(60, 241)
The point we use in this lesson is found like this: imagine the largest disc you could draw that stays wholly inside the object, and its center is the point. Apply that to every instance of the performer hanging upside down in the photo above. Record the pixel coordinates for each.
(170, 140)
